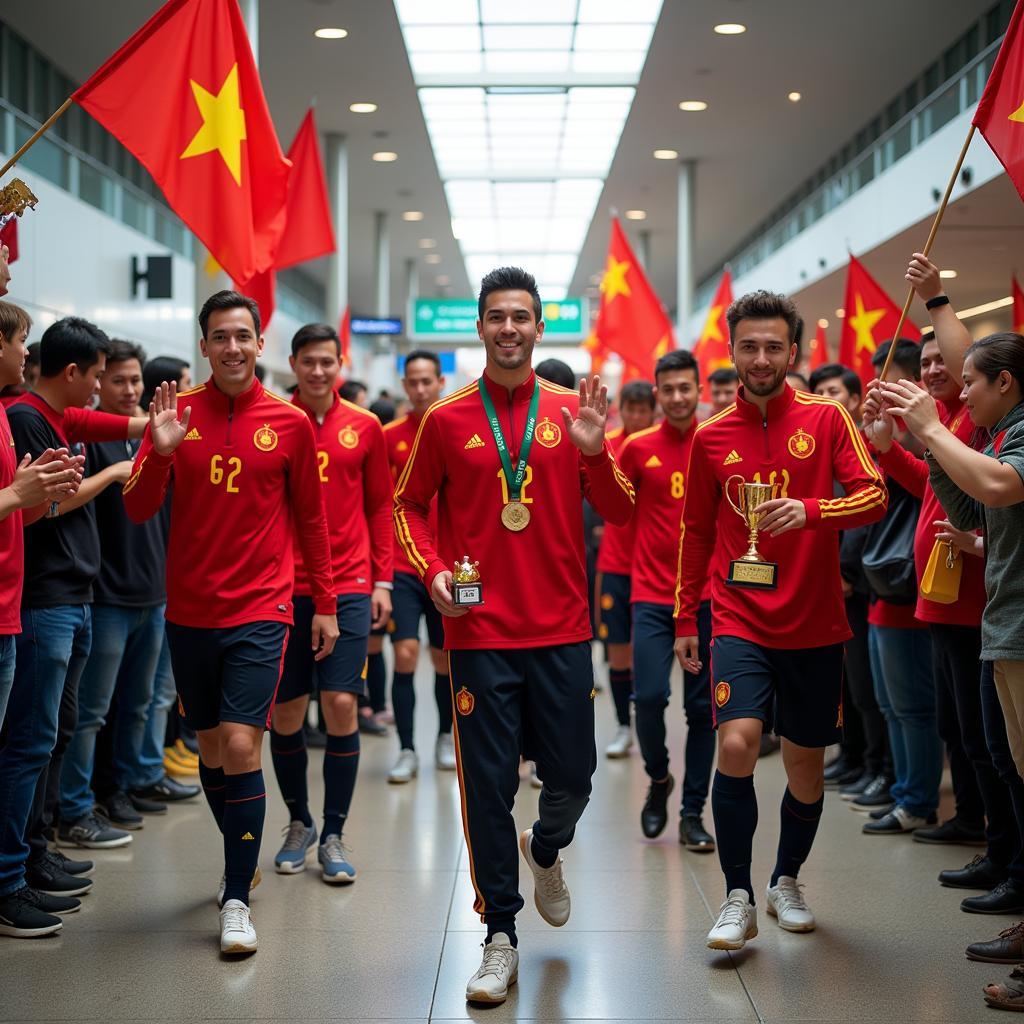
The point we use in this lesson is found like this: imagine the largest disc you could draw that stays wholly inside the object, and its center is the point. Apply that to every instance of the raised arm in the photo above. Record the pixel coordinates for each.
(954, 339)
(147, 486)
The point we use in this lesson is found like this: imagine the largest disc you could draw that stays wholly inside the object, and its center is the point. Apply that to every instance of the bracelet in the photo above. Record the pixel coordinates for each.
(384, 585)
(939, 300)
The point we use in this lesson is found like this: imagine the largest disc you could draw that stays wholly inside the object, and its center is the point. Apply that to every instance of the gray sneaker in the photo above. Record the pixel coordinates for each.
(299, 839)
(334, 863)
(93, 833)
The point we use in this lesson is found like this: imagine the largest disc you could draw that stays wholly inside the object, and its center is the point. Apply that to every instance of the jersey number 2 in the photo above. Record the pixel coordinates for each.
(219, 475)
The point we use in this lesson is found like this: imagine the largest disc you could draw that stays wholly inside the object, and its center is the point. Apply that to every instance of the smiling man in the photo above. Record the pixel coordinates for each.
(508, 457)
(244, 467)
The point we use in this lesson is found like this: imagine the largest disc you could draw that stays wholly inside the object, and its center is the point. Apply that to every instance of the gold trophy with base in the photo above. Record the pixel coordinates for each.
(466, 588)
(750, 569)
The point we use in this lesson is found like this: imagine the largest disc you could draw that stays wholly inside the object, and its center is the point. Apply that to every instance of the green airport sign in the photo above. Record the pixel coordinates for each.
(455, 320)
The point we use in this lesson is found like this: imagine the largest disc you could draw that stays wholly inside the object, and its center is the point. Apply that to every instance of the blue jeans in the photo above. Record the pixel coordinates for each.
(7, 648)
(125, 649)
(51, 650)
(901, 664)
(151, 753)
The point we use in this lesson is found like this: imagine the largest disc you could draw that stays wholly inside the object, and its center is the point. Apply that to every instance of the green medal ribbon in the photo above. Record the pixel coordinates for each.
(514, 478)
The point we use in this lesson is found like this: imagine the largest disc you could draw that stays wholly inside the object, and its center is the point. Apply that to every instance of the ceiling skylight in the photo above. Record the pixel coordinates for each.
(525, 104)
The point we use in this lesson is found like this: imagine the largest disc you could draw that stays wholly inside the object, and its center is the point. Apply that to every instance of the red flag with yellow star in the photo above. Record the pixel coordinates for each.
(870, 319)
(631, 320)
(1018, 307)
(818, 349)
(1000, 113)
(183, 94)
(712, 348)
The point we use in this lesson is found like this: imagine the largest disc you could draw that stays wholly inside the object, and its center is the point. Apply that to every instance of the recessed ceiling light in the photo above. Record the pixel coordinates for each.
(412, 215)
(636, 215)
(443, 279)
(665, 154)
(433, 257)
(823, 322)
(693, 105)
(794, 97)
(730, 29)
(331, 33)
(362, 108)
(385, 156)
(947, 274)
(428, 243)
(840, 312)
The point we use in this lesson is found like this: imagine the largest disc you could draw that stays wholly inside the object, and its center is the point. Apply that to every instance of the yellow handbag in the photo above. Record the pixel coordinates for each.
(941, 580)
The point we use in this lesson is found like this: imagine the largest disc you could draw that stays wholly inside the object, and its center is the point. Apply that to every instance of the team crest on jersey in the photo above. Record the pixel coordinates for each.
(465, 702)
(548, 433)
(347, 437)
(723, 691)
(265, 438)
(402, 446)
(801, 445)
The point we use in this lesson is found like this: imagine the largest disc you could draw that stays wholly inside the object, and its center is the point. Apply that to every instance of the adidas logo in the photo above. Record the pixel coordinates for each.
(732, 458)
(248, 835)
(652, 463)
(194, 435)
(474, 442)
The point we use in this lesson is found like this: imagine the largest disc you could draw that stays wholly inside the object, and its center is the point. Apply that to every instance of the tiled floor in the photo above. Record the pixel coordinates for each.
(400, 944)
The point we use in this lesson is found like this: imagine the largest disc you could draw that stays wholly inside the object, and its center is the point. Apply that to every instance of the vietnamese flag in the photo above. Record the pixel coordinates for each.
(1000, 113)
(818, 349)
(598, 353)
(1018, 307)
(870, 319)
(184, 96)
(9, 237)
(345, 335)
(631, 321)
(712, 348)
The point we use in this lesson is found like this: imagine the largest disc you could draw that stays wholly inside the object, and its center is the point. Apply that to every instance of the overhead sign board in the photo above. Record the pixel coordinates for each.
(455, 320)
(375, 325)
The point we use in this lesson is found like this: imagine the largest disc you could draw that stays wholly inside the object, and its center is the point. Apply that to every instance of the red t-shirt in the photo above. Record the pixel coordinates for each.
(616, 551)
(12, 541)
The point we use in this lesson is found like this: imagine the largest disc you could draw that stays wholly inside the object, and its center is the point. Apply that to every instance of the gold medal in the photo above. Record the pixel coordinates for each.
(515, 516)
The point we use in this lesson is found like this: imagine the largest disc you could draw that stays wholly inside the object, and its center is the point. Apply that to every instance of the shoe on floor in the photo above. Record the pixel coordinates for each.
(168, 790)
(118, 810)
(256, 879)
(877, 793)
(1009, 995)
(842, 766)
(880, 812)
(694, 836)
(897, 822)
(951, 833)
(786, 903)
(22, 918)
(621, 743)
(237, 934)
(1005, 898)
(979, 873)
(335, 868)
(498, 971)
(406, 767)
(72, 867)
(736, 924)
(299, 839)
(50, 904)
(175, 765)
(550, 893)
(146, 806)
(45, 874)
(654, 814)
(444, 752)
(1007, 948)
(371, 726)
(855, 786)
(92, 833)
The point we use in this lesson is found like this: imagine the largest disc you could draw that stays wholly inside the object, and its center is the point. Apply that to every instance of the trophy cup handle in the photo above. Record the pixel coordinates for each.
(728, 496)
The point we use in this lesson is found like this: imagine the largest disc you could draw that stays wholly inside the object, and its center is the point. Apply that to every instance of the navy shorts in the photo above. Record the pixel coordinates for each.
(344, 669)
(409, 601)
(227, 675)
(614, 619)
(806, 685)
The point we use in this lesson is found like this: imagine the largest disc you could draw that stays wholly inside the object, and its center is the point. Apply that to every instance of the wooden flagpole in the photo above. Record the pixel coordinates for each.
(43, 128)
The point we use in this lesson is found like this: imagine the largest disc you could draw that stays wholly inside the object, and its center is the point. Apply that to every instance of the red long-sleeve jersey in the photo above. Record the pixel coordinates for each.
(616, 551)
(803, 444)
(400, 436)
(535, 581)
(353, 466)
(244, 478)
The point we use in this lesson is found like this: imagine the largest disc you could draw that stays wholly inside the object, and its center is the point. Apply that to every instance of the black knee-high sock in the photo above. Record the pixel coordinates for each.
(734, 804)
(443, 698)
(403, 700)
(799, 827)
(621, 680)
(212, 780)
(245, 807)
(290, 765)
(376, 681)
(341, 765)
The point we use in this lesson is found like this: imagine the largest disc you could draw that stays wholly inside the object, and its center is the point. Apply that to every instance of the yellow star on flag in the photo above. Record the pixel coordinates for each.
(223, 127)
(711, 331)
(863, 322)
(1017, 115)
(614, 281)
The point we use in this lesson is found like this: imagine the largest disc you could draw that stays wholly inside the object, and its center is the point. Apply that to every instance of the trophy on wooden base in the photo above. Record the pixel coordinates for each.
(750, 569)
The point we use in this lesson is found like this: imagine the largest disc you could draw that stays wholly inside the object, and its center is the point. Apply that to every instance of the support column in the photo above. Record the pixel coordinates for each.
(643, 249)
(684, 250)
(337, 191)
(382, 371)
(412, 292)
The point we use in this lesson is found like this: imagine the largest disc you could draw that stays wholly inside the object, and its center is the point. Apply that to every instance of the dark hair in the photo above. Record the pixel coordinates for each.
(121, 351)
(13, 318)
(799, 376)
(71, 340)
(312, 333)
(383, 409)
(639, 391)
(678, 359)
(509, 279)
(798, 335)
(762, 305)
(847, 377)
(32, 354)
(557, 372)
(158, 370)
(724, 375)
(350, 390)
(228, 300)
(907, 357)
(997, 352)
(259, 371)
(424, 353)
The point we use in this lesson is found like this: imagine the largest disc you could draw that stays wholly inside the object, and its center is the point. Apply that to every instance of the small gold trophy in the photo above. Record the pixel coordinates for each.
(466, 588)
(750, 569)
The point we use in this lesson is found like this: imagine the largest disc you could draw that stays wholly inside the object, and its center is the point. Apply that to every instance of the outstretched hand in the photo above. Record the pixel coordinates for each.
(913, 405)
(586, 429)
(166, 430)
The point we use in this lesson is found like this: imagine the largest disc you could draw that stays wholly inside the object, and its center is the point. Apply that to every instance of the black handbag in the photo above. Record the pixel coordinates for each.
(889, 549)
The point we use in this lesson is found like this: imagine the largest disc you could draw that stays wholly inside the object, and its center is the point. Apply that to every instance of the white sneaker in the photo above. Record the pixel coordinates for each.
(237, 934)
(256, 879)
(534, 777)
(550, 893)
(620, 745)
(406, 767)
(444, 752)
(737, 922)
(786, 902)
(499, 970)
